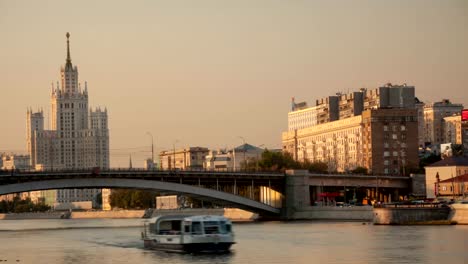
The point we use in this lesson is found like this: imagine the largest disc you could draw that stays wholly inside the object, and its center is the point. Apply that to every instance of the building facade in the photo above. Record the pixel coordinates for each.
(442, 170)
(78, 137)
(190, 158)
(233, 159)
(453, 188)
(452, 129)
(434, 115)
(374, 129)
(15, 162)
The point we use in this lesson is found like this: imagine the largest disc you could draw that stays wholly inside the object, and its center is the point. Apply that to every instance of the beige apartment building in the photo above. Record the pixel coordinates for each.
(336, 143)
(190, 158)
(453, 188)
(434, 115)
(375, 129)
(452, 129)
(443, 170)
(381, 140)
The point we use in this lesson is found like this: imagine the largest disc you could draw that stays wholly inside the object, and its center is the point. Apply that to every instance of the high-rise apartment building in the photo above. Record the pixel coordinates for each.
(433, 120)
(452, 129)
(79, 136)
(374, 129)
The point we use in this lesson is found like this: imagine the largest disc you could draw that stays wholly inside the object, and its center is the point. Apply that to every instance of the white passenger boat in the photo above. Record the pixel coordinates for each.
(191, 234)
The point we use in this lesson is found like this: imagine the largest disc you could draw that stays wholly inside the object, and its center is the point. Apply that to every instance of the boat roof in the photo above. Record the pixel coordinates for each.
(190, 218)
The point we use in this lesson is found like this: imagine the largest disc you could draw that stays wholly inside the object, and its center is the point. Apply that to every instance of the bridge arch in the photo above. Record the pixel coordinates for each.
(194, 191)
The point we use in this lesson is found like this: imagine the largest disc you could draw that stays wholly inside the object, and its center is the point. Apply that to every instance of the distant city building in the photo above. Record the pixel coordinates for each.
(150, 165)
(464, 132)
(452, 129)
(453, 188)
(15, 162)
(420, 114)
(389, 136)
(374, 129)
(342, 106)
(78, 138)
(232, 159)
(434, 115)
(190, 158)
(443, 170)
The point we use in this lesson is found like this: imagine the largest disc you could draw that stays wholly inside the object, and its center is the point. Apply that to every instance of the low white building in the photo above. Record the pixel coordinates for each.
(232, 159)
(442, 170)
(13, 161)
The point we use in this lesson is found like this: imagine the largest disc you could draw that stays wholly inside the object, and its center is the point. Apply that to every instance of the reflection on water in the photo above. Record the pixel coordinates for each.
(91, 241)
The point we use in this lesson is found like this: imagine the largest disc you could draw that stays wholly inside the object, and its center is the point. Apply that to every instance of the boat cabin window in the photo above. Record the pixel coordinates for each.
(211, 227)
(187, 228)
(170, 227)
(225, 227)
(196, 228)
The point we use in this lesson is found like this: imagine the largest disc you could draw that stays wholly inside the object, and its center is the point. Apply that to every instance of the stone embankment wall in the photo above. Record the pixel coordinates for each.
(231, 213)
(357, 213)
(108, 214)
(45, 215)
(411, 215)
(459, 214)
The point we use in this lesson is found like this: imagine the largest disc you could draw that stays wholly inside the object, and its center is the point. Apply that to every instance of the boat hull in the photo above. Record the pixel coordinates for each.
(189, 248)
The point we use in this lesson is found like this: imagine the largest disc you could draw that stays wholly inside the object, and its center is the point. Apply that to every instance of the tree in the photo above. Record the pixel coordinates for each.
(132, 199)
(359, 170)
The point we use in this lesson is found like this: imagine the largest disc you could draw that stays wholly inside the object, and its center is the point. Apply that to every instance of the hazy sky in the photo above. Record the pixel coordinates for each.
(206, 72)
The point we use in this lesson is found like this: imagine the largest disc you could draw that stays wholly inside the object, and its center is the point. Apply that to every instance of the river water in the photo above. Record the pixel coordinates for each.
(118, 241)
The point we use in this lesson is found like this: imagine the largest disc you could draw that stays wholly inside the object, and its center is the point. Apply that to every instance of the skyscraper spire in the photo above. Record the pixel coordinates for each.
(68, 64)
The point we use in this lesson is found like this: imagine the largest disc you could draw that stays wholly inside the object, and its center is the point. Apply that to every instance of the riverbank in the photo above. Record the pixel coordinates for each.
(234, 214)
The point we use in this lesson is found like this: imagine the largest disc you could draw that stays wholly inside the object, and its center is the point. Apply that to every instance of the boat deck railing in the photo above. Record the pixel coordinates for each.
(411, 205)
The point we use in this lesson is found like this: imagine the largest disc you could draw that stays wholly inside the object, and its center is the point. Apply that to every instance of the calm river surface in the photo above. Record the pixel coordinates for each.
(118, 241)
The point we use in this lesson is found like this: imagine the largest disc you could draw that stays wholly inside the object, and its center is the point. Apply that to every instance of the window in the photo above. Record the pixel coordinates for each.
(196, 228)
(386, 153)
(394, 136)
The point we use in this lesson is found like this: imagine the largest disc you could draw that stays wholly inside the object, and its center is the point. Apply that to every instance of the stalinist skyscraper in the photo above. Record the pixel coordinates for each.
(79, 136)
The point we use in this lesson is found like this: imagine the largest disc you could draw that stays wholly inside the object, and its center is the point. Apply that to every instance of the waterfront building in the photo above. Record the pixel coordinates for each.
(453, 188)
(389, 145)
(232, 159)
(301, 116)
(78, 137)
(442, 170)
(370, 128)
(464, 132)
(15, 162)
(190, 158)
(434, 115)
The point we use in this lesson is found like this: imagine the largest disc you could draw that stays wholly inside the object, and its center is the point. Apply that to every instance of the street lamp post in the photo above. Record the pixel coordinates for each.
(152, 149)
(173, 154)
(256, 165)
(243, 147)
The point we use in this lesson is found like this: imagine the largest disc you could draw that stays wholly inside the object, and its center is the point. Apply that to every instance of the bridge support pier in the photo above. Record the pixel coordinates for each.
(296, 192)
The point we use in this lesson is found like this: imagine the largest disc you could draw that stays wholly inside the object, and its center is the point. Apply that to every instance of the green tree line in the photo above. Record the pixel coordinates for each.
(132, 199)
(18, 205)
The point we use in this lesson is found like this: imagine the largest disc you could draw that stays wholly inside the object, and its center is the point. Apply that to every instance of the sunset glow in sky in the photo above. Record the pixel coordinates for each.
(206, 73)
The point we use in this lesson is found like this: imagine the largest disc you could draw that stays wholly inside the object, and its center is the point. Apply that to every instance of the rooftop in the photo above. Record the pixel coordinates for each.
(460, 178)
(451, 161)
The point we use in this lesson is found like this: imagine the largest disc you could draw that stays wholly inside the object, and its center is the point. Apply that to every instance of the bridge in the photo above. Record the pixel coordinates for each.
(262, 192)
(259, 192)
